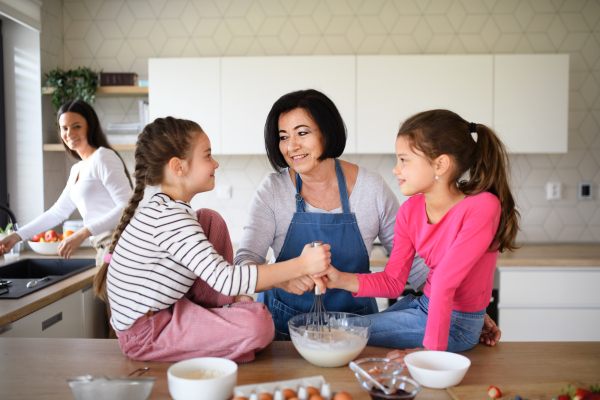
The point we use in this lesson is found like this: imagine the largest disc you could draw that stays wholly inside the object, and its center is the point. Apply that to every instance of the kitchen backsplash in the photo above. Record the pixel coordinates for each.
(120, 36)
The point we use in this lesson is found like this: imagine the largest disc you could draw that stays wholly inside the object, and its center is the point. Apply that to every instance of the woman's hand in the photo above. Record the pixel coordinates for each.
(242, 297)
(8, 242)
(398, 355)
(315, 259)
(490, 333)
(297, 286)
(68, 245)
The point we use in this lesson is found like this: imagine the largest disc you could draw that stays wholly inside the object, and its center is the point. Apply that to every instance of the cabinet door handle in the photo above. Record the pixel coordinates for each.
(51, 321)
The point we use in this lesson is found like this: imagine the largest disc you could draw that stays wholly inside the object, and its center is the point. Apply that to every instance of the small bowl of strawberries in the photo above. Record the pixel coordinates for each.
(47, 243)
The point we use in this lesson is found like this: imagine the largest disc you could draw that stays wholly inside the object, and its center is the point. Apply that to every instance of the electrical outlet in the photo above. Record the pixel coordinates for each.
(553, 190)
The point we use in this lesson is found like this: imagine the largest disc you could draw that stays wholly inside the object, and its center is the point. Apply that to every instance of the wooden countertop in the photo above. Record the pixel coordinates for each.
(39, 368)
(531, 255)
(14, 309)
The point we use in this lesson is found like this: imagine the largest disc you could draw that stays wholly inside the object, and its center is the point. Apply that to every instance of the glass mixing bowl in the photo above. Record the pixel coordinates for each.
(335, 344)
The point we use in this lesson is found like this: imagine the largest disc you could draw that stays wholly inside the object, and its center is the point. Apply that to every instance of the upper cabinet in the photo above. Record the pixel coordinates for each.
(250, 86)
(392, 88)
(531, 102)
(188, 88)
(523, 97)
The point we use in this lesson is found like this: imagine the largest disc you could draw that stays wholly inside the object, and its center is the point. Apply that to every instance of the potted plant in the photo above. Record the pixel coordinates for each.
(79, 84)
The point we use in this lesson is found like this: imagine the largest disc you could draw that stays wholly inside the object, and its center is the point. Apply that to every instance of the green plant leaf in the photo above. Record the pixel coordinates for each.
(79, 84)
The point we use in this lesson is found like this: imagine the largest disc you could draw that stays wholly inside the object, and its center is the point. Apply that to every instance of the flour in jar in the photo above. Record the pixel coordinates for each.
(203, 374)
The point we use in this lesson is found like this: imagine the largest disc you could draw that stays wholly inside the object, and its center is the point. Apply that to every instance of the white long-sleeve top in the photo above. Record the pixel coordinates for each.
(100, 194)
(158, 257)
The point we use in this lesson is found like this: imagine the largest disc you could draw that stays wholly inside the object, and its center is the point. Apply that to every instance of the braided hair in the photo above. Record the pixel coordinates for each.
(159, 142)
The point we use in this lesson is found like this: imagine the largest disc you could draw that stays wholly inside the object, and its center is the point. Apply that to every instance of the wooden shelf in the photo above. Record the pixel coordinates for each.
(112, 91)
(60, 147)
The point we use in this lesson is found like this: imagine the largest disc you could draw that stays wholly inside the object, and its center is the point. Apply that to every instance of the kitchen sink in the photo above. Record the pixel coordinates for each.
(20, 272)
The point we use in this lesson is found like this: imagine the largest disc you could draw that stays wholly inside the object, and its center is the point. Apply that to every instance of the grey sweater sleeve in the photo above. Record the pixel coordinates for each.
(259, 231)
(389, 207)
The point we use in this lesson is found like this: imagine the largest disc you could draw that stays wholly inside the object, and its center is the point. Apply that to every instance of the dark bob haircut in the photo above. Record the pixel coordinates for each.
(322, 111)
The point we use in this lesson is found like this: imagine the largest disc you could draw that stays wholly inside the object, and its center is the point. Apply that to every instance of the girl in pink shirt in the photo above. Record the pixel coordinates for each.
(456, 225)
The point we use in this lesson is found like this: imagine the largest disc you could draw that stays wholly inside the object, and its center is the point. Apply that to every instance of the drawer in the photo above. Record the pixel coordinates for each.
(547, 286)
(61, 319)
(549, 324)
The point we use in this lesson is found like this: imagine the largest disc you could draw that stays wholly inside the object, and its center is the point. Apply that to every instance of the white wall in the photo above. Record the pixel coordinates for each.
(23, 120)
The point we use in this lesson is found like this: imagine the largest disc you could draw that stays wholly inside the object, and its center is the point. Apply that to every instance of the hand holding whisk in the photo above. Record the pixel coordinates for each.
(318, 318)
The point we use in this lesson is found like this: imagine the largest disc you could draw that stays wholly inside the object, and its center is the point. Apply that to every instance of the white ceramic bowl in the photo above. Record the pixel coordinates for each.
(49, 249)
(437, 369)
(220, 388)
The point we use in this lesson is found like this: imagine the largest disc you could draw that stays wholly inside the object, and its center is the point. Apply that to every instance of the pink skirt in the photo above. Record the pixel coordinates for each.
(197, 325)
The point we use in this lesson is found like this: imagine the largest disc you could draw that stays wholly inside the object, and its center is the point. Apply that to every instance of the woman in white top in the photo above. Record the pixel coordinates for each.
(99, 185)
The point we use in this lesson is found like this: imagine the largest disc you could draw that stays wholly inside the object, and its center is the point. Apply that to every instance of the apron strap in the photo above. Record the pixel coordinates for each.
(301, 204)
(342, 187)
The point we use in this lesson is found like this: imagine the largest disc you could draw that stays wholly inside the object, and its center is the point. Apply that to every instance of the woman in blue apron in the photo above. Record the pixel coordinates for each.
(315, 197)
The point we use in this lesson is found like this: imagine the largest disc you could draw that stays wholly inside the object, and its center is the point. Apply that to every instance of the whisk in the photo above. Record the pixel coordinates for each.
(318, 319)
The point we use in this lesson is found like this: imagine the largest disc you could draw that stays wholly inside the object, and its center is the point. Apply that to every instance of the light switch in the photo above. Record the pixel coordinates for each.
(585, 191)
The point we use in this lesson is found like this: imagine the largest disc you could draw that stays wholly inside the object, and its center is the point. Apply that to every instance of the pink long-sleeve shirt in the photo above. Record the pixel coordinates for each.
(456, 249)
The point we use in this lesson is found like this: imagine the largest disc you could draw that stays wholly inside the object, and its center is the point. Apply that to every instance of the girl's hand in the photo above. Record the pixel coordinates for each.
(70, 243)
(241, 297)
(8, 242)
(398, 355)
(315, 259)
(335, 279)
(490, 333)
(297, 286)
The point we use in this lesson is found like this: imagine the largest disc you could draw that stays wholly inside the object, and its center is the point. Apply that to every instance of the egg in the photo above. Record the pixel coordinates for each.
(316, 397)
(342, 396)
(312, 391)
(265, 396)
(289, 394)
(241, 398)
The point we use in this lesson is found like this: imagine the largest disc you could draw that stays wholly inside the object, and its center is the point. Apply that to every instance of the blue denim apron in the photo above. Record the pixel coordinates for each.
(348, 254)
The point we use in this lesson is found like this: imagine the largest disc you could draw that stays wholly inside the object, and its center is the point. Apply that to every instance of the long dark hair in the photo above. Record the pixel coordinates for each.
(438, 132)
(95, 137)
(321, 109)
(159, 142)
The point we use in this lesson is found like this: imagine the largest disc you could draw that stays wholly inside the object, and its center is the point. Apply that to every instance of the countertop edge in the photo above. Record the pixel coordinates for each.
(12, 310)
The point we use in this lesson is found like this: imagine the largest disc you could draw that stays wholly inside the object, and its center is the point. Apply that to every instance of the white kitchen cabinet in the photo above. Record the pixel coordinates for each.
(524, 98)
(392, 88)
(95, 318)
(188, 88)
(531, 102)
(250, 86)
(78, 315)
(549, 303)
(61, 319)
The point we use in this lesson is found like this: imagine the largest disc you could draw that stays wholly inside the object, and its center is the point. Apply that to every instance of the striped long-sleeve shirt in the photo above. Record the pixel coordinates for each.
(159, 256)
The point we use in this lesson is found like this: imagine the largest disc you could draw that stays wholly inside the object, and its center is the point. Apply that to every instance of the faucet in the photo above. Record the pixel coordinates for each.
(12, 217)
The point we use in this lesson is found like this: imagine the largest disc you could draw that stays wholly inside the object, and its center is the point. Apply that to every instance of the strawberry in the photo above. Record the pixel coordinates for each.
(494, 392)
(563, 397)
(591, 396)
(581, 393)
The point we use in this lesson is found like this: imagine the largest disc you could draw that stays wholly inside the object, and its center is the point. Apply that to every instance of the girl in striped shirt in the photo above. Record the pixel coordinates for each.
(165, 279)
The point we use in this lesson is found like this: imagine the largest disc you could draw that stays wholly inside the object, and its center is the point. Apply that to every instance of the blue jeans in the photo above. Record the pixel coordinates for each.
(402, 326)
